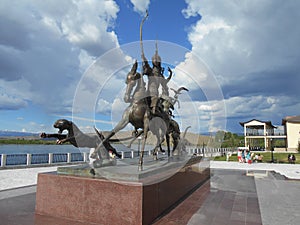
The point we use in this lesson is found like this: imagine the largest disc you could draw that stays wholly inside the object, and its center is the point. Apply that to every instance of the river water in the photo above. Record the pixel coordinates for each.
(39, 149)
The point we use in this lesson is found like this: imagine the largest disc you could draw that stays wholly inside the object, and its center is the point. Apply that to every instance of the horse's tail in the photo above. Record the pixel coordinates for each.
(185, 131)
(106, 144)
(100, 135)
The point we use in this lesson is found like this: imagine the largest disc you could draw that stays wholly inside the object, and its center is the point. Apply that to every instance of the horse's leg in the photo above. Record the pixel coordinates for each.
(160, 146)
(161, 149)
(159, 140)
(155, 150)
(123, 123)
(168, 143)
(136, 136)
(146, 129)
(176, 138)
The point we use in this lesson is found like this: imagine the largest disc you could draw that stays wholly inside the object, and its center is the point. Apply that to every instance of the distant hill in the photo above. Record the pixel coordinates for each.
(191, 138)
(4, 133)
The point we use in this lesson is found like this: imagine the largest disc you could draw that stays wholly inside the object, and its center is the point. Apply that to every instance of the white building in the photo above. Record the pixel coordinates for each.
(255, 130)
(292, 131)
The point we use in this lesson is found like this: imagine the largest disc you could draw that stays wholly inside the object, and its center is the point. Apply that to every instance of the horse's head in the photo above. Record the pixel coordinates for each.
(62, 124)
(130, 82)
(134, 79)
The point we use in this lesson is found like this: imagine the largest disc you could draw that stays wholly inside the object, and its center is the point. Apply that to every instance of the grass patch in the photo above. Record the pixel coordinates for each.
(279, 157)
(27, 142)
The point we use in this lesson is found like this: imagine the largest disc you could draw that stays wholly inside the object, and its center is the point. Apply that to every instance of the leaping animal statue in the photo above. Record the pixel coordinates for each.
(79, 139)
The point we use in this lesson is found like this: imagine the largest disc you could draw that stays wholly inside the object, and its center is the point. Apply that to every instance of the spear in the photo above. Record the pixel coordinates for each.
(141, 36)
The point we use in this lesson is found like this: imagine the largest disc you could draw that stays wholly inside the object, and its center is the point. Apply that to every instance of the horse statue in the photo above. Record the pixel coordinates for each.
(146, 110)
(139, 114)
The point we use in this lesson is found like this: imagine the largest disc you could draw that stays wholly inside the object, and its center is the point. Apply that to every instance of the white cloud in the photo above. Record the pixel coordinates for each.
(251, 47)
(236, 37)
(14, 94)
(204, 28)
(85, 60)
(104, 79)
(117, 109)
(191, 72)
(194, 74)
(192, 9)
(140, 5)
(211, 116)
(103, 107)
(202, 116)
(205, 107)
(9, 102)
(45, 48)
(261, 107)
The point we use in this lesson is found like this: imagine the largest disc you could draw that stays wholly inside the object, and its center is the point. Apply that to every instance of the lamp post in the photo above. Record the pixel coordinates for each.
(272, 149)
(203, 145)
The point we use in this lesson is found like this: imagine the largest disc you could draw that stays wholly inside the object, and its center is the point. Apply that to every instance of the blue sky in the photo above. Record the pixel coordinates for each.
(68, 59)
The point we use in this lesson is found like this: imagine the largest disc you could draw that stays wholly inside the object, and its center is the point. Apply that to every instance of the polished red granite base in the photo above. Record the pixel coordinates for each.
(103, 201)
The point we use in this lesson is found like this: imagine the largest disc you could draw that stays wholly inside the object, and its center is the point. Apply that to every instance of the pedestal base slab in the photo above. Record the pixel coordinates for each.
(103, 201)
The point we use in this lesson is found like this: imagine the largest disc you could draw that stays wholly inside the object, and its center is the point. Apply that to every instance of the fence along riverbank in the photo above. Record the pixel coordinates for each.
(45, 159)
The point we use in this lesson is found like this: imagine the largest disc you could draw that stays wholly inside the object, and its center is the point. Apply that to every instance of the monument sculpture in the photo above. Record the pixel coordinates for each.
(79, 192)
(148, 110)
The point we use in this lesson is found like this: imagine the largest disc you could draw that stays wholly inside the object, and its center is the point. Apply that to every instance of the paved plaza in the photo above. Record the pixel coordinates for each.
(257, 193)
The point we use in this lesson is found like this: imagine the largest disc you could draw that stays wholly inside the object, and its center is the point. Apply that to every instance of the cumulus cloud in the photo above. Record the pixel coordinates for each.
(191, 72)
(245, 49)
(103, 107)
(11, 102)
(202, 116)
(104, 79)
(210, 116)
(140, 6)
(205, 108)
(14, 94)
(87, 25)
(251, 47)
(238, 38)
(47, 48)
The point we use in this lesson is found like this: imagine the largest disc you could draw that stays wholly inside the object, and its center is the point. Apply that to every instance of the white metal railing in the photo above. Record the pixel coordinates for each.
(13, 160)
(8, 160)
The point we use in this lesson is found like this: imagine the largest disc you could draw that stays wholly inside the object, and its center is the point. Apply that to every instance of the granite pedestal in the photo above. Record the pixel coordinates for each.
(124, 196)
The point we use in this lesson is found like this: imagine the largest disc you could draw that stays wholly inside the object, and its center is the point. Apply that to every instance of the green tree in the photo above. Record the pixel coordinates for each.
(231, 140)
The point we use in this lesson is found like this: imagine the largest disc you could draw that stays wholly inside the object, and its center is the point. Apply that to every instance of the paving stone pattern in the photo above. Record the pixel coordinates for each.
(231, 197)
(232, 200)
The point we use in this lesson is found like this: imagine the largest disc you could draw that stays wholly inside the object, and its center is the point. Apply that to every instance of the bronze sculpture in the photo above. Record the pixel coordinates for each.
(147, 110)
(139, 113)
(79, 139)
